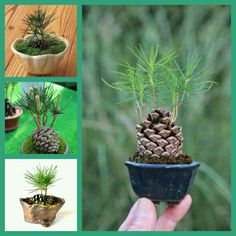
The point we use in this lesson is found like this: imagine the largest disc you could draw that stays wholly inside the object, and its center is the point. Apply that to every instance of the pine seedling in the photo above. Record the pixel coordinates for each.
(149, 83)
(41, 101)
(42, 178)
(37, 26)
(43, 104)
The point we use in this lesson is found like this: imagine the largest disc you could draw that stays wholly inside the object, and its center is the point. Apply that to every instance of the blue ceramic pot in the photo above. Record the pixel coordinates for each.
(162, 182)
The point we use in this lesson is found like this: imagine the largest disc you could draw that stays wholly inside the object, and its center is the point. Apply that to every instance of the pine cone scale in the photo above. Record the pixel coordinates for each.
(46, 140)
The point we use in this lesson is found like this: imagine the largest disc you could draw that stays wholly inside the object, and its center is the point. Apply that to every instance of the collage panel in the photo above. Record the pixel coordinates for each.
(40, 195)
(118, 116)
(40, 40)
(157, 89)
(41, 118)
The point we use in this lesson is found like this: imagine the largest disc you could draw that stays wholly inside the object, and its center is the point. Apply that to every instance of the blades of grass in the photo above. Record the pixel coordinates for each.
(222, 185)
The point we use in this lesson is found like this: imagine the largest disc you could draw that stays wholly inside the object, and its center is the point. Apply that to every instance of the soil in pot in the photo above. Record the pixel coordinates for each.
(41, 209)
(181, 159)
(50, 45)
(41, 199)
(28, 147)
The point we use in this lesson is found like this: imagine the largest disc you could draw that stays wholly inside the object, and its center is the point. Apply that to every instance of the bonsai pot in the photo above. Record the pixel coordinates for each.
(11, 122)
(39, 213)
(162, 182)
(41, 64)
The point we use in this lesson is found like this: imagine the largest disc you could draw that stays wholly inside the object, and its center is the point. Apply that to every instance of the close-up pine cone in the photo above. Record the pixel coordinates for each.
(160, 140)
(46, 140)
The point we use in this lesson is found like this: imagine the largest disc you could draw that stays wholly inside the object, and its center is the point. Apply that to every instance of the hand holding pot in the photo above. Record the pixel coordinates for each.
(143, 217)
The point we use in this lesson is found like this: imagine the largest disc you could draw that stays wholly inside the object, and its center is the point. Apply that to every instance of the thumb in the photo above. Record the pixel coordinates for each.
(142, 218)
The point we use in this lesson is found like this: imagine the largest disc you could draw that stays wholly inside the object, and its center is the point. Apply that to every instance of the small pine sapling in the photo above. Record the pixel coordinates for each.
(40, 40)
(43, 102)
(151, 83)
(43, 178)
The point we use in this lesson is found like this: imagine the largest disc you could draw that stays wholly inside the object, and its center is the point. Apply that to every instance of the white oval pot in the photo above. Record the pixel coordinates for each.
(41, 64)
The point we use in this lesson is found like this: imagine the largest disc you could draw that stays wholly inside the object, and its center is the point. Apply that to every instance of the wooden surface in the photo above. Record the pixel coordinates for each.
(65, 25)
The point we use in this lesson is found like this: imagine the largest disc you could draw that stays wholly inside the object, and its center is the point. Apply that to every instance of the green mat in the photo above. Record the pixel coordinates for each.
(65, 125)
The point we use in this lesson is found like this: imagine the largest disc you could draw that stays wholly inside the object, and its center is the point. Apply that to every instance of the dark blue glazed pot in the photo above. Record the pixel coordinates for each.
(162, 182)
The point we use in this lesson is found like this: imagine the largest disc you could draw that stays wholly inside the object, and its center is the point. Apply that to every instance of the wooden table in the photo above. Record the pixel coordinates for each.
(65, 25)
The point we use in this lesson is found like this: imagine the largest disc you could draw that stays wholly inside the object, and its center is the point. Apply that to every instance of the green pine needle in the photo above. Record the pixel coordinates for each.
(37, 24)
(42, 178)
(154, 79)
(46, 103)
(47, 95)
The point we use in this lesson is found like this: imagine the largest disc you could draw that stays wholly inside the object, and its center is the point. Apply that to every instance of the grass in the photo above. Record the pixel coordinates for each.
(53, 46)
(28, 147)
(109, 127)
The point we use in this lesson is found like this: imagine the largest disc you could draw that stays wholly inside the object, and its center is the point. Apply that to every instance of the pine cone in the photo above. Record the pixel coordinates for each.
(46, 140)
(160, 140)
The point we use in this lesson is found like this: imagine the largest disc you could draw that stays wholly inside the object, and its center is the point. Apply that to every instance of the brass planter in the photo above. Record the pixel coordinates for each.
(41, 214)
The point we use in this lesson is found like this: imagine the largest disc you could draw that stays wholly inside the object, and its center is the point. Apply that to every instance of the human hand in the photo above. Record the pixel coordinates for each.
(143, 216)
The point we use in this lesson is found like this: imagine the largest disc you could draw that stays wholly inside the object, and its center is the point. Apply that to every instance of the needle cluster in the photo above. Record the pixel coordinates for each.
(41, 101)
(153, 79)
(42, 178)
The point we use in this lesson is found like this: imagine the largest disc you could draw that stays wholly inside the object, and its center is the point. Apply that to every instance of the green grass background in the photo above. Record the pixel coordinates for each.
(65, 124)
(109, 127)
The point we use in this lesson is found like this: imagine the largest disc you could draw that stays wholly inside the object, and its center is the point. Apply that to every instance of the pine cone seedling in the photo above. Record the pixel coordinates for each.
(153, 83)
(37, 27)
(41, 102)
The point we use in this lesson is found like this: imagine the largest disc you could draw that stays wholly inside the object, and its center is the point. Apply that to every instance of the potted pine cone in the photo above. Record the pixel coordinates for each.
(41, 208)
(40, 52)
(159, 169)
(12, 112)
(43, 102)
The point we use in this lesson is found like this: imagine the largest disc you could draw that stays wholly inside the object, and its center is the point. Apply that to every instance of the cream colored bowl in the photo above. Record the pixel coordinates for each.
(41, 64)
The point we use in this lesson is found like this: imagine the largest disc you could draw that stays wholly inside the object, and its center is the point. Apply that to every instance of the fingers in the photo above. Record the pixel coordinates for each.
(173, 214)
(142, 217)
(129, 219)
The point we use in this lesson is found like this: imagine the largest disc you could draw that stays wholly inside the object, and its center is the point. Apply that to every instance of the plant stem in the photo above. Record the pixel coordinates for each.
(37, 99)
(150, 75)
(175, 108)
(38, 118)
(45, 118)
(53, 120)
(35, 120)
(58, 108)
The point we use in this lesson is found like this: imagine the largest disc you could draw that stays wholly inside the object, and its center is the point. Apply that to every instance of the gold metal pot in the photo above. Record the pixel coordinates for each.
(39, 213)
